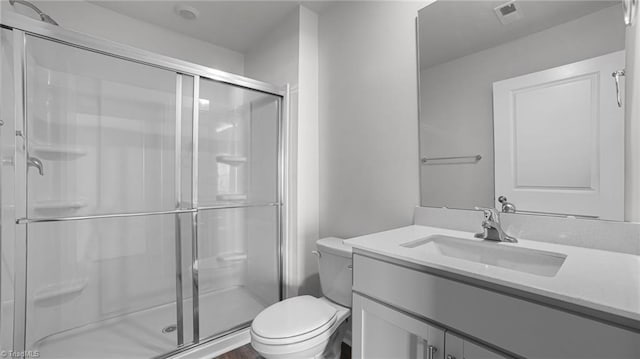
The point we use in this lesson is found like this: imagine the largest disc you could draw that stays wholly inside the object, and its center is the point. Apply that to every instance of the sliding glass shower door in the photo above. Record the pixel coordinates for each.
(236, 191)
(145, 212)
(100, 141)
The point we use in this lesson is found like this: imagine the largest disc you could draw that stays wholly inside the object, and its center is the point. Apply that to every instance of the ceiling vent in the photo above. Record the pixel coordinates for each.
(508, 12)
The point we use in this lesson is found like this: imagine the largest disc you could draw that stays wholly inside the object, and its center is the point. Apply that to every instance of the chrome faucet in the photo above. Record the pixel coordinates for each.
(35, 162)
(492, 230)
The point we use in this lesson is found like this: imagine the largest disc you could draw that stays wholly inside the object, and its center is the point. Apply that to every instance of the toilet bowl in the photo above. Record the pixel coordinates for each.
(300, 327)
(306, 326)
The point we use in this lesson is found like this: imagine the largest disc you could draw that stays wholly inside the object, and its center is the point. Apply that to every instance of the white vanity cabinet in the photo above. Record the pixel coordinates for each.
(399, 309)
(384, 332)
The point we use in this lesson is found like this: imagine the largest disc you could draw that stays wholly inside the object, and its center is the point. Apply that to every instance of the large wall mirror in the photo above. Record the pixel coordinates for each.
(522, 103)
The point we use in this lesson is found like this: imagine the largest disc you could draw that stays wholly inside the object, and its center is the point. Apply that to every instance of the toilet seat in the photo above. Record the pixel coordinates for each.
(293, 320)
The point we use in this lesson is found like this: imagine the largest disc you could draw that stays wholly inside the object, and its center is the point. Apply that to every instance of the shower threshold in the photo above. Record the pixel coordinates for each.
(150, 332)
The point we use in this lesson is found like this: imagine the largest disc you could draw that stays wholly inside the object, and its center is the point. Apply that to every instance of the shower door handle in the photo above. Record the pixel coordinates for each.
(36, 163)
(616, 75)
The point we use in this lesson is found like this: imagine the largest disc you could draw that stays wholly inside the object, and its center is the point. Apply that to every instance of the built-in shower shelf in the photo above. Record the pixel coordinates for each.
(57, 153)
(235, 197)
(59, 291)
(55, 205)
(232, 257)
(231, 160)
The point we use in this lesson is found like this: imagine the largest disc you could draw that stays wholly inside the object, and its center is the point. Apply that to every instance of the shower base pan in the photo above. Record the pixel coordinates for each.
(151, 332)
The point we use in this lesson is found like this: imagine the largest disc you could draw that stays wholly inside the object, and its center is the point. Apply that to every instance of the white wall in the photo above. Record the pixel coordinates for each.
(288, 54)
(97, 21)
(308, 226)
(368, 117)
(447, 128)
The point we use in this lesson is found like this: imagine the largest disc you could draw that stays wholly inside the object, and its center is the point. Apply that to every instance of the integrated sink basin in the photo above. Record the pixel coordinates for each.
(504, 255)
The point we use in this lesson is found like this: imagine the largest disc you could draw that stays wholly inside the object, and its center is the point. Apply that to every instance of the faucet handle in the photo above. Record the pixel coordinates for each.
(507, 206)
(489, 213)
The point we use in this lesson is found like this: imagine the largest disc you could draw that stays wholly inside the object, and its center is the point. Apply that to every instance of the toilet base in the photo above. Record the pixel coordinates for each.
(334, 347)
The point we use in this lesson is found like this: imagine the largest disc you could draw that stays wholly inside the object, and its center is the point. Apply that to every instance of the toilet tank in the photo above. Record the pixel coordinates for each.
(335, 268)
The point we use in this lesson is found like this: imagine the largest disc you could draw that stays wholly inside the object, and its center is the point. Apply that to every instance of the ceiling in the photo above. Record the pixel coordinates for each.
(235, 25)
(450, 28)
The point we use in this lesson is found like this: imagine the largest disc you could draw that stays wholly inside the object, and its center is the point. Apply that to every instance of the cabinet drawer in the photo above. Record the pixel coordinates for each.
(518, 326)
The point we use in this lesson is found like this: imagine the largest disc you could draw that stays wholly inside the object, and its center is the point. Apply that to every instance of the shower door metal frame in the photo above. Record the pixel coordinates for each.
(23, 27)
(21, 199)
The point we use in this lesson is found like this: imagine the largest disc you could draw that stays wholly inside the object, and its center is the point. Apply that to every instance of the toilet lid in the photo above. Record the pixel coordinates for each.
(294, 317)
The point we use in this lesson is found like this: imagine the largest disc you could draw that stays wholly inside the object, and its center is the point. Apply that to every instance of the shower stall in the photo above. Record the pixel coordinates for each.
(142, 197)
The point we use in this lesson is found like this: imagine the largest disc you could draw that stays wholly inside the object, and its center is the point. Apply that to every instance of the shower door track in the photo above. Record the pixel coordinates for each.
(23, 26)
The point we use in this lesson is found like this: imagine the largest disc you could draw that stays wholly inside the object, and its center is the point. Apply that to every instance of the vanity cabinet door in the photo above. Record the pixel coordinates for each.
(382, 332)
(459, 348)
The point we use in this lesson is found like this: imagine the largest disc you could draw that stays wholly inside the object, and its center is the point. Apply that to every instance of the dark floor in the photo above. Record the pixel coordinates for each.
(247, 352)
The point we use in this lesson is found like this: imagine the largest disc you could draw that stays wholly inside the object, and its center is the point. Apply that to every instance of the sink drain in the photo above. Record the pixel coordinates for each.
(169, 329)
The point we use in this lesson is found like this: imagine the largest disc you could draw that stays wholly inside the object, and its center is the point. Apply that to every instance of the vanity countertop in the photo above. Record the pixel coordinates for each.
(600, 284)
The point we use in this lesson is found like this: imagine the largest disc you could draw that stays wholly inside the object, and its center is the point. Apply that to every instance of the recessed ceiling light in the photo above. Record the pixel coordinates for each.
(187, 12)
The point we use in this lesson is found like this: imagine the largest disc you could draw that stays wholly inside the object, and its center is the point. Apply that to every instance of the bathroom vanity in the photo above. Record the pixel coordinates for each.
(435, 293)
(518, 119)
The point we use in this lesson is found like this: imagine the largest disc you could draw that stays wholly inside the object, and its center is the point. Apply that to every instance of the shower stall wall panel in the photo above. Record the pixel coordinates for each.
(226, 168)
(224, 262)
(100, 239)
(71, 284)
(262, 278)
(104, 129)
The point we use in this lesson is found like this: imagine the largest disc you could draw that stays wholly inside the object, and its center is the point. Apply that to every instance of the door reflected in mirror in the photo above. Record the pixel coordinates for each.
(522, 106)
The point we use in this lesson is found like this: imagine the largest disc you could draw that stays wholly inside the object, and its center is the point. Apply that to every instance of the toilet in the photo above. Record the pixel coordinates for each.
(306, 326)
